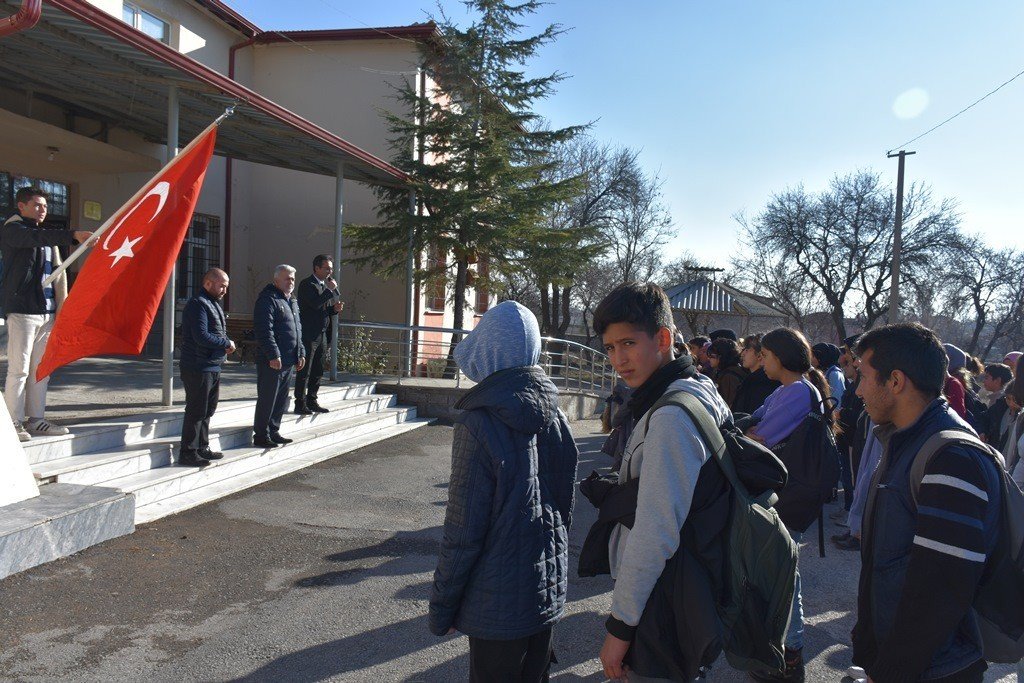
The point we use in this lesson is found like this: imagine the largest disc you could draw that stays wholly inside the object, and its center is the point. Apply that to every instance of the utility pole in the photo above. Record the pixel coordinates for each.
(897, 240)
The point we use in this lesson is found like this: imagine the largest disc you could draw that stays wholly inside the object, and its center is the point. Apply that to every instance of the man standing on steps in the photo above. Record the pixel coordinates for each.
(318, 301)
(30, 253)
(278, 352)
(204, 347)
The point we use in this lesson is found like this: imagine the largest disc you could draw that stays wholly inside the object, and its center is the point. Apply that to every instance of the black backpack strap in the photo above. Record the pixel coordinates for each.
(712, 437)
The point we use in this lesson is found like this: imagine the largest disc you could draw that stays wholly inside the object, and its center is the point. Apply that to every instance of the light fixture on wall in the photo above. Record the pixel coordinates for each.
(52, 153)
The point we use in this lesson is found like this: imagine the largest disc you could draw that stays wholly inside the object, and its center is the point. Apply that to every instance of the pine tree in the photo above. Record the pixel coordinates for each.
(481, 172)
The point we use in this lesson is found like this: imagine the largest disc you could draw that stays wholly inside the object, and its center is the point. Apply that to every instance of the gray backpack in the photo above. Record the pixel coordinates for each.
(999, 602)
(753, 613)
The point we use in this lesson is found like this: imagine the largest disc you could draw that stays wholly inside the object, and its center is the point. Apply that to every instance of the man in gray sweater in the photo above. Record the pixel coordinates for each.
(635, 323)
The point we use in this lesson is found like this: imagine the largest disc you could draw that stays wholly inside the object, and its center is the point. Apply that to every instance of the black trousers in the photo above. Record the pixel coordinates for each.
(271, 398)
(307, 380)
(202, 391)
(524, 660)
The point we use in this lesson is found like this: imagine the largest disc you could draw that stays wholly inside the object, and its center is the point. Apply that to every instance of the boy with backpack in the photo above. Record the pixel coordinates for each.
(930, 527)
(503, 569)
(663, 623)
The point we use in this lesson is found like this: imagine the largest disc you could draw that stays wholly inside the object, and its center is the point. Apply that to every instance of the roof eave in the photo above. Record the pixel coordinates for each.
(97, 18)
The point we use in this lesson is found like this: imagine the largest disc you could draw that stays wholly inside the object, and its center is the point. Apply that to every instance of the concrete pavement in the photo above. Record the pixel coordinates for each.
(322, 575)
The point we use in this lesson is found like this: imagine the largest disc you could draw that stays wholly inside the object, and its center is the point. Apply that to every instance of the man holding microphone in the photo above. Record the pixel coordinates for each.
(318, 301)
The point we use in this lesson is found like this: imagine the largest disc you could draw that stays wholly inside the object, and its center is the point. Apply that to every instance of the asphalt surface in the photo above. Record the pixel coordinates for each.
(322, 575)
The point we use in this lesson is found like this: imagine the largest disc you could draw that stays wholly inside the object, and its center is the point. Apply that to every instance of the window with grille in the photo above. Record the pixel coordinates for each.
(57, 196)
(151, 25)
(199, 253)
(435, 292)
(483, 296)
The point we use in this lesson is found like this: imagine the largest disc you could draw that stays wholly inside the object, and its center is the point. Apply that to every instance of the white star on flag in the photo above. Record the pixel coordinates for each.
(125, 250)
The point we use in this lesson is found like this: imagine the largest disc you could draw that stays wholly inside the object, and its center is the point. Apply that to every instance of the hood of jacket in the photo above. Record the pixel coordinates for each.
(522, 398)
(507, 336)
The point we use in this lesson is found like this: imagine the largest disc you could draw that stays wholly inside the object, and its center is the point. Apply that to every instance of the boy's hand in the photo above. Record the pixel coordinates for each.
(452, 631)
(611, 657)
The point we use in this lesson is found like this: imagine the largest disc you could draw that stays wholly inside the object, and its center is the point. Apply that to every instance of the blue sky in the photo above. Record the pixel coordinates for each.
(732, 101)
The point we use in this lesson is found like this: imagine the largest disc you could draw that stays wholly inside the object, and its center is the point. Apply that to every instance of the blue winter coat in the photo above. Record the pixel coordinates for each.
(204, 337)
(277, 327)
(504, 564)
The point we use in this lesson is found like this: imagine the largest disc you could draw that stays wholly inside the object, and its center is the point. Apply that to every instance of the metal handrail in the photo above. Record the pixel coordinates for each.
(574, 365)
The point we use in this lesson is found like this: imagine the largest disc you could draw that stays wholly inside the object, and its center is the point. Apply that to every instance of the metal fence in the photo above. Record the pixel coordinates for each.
(371, 348)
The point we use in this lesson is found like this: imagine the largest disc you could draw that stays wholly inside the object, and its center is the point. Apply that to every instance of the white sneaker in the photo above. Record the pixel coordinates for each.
(40, 427)
(856, 673)
(23, 436)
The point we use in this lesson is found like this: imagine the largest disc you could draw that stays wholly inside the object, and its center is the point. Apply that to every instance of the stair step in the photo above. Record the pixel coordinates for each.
(60, 521)
(271, 470)
(103, 466)
(165, 482)
(117, 433)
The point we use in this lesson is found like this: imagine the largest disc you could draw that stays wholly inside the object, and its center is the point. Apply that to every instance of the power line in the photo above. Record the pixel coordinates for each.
(971, 105)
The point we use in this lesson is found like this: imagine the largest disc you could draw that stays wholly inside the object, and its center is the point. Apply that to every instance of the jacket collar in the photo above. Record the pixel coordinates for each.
(888, 435)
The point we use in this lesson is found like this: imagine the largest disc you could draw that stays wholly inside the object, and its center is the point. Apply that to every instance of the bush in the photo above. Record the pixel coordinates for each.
(360, 355)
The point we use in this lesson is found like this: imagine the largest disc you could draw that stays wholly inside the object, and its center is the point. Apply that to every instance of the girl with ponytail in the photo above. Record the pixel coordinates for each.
(787, 359)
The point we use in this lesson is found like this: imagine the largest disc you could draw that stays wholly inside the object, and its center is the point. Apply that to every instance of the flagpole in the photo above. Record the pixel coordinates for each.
(82, 248)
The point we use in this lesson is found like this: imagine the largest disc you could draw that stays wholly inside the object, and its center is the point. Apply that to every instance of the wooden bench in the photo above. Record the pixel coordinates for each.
(240, 331)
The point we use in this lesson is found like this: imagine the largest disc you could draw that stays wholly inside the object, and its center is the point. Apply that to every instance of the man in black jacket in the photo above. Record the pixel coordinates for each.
(318, 301)
(30, 253)
(204, 347)
(278, 352)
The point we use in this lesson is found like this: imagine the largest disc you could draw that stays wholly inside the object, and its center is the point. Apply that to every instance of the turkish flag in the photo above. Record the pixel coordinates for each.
(118, 291)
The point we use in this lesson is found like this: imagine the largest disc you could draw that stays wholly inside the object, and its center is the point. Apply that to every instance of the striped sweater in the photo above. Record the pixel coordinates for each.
(922, 566)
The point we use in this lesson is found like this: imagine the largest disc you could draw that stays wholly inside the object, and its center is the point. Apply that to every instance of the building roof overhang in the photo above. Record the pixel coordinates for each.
(79, 55)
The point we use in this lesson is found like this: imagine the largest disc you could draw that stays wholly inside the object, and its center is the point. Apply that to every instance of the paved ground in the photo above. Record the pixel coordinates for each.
(320, 575)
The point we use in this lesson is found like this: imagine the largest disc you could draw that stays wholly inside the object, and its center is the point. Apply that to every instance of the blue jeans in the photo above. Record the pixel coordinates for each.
(795, 634)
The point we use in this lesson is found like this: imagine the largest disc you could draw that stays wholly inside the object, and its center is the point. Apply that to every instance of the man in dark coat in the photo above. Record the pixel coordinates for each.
(204, 347)
(30, 252)
(503, 570)
(318, 301)
(278, 352)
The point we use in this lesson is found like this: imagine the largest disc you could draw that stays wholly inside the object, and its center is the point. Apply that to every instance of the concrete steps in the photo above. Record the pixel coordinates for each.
(137, 456)
(62, 520)
(104, 465)
(114, 434)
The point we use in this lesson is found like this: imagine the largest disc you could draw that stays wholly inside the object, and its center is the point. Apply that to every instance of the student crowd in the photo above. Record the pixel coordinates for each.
(928, 530)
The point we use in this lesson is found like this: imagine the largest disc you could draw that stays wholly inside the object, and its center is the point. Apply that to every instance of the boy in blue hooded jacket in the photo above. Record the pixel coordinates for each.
(503, 568)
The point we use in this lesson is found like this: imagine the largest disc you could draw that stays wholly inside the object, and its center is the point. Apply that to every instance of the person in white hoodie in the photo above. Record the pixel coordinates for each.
(635, 323)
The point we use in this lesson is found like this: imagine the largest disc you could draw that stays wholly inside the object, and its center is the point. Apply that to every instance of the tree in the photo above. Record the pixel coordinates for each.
(683, 268)
(480, 173)
(841, 242)
(572, 233)
(640, 227)
(771, 273)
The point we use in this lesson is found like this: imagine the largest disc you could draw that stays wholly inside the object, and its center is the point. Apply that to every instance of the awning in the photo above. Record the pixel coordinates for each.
(81, 56)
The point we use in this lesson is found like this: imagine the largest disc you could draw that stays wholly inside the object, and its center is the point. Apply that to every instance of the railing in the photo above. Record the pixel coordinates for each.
(371, 348)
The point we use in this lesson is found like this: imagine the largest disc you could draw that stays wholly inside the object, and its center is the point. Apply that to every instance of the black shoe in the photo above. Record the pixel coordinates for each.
(839, 538)
(263, 443)
(192, 459)
(794, 672)
(317, 408)
(302, 409)
(210, 455)
(280, 440)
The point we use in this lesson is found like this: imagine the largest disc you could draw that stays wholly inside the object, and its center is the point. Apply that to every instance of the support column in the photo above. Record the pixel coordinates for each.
(339, 200)
(410, 293)
(169, 303)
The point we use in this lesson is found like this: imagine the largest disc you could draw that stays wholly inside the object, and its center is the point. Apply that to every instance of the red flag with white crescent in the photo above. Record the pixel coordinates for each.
(111, 307)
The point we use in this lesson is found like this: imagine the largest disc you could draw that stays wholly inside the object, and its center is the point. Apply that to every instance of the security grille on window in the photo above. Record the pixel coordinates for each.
(483, 297)
(199, 253)
(57, 196)
(152, 26)
(436, 285)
